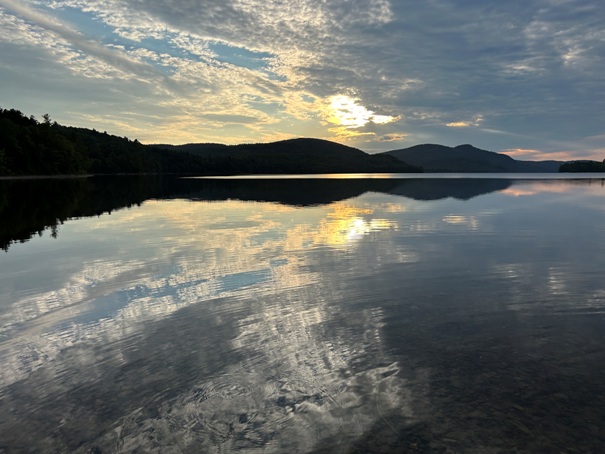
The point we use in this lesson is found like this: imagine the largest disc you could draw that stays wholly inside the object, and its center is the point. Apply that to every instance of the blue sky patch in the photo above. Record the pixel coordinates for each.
(88, 24)
(240, 56)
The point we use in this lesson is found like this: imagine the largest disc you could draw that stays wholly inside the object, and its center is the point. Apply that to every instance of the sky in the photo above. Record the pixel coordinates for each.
(523, 77)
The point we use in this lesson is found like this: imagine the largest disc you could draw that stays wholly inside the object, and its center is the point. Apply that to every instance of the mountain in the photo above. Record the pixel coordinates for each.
(293, 156)
(466, 158)
(30, 147)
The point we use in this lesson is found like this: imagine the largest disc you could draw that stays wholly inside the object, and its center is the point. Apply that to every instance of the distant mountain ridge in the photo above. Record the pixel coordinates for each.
(302, 156)
(30, 147)
(319, 156)
(467, 158)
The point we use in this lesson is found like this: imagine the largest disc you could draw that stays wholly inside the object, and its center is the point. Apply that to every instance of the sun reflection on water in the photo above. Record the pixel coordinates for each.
(208, 251)
(250, 266)
(246, 326)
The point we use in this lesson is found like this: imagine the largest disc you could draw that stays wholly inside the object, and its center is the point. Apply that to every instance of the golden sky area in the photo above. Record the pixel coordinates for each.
(367, 73)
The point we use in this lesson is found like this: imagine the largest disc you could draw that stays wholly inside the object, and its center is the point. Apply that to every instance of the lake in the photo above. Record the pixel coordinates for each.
(338, 315)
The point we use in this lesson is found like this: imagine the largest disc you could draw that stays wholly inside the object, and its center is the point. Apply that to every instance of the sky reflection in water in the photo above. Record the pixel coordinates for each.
(374, 323)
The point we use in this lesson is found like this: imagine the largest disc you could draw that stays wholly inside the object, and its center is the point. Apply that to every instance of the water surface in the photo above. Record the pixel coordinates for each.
(363, 315)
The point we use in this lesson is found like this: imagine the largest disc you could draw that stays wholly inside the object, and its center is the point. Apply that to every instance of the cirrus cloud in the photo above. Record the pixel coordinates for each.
(532, 69)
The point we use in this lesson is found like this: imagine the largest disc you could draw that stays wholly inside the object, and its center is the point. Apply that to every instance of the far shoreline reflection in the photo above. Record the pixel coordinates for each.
(29, 207)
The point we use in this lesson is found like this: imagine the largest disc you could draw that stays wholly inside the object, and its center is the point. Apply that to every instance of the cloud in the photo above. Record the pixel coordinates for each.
(74, 39)
(342, 133)
(532, 69)
(346, 111)
(535, 155)
(226, 118)
(394, 137)
(458, 124)
(466, 124)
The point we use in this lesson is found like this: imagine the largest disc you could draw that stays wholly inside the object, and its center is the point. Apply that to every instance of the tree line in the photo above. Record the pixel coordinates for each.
(582, 166)
(32, 147)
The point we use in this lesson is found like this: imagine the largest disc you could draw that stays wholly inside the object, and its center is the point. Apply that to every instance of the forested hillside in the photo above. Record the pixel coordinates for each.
(583, 166)
(31, 147)
(28, 147)
(291, 156)
(467, 158)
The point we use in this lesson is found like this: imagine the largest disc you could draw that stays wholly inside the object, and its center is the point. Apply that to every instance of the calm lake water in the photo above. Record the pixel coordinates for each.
(302, 315)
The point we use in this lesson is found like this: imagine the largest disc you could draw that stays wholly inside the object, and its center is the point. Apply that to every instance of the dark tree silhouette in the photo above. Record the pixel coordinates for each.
(28, 147)
(583, 166)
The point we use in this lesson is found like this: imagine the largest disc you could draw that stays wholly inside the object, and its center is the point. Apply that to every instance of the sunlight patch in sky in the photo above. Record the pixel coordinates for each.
(476, 121)
(345, 134)
(458, 124)
(334, 70)
(345, 111)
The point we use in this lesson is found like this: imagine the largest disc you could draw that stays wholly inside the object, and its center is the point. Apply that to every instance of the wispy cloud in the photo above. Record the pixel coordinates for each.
(466, 124)
(420, 71)
(392, 137)
(535, 155)
(80, 44)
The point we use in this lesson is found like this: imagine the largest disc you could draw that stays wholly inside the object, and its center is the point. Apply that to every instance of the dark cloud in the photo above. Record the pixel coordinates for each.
(532, 70)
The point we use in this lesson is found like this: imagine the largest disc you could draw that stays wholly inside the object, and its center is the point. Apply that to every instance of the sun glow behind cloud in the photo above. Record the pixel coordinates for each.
(348, 118)
(234, 71)
(345, 111)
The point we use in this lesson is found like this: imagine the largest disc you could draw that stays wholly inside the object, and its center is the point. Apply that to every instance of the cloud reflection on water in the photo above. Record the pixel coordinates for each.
(248, 326)
(231, 259)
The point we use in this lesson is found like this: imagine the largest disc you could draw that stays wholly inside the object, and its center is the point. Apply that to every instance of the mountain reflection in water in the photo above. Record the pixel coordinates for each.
(303, 316)
(28, 207)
